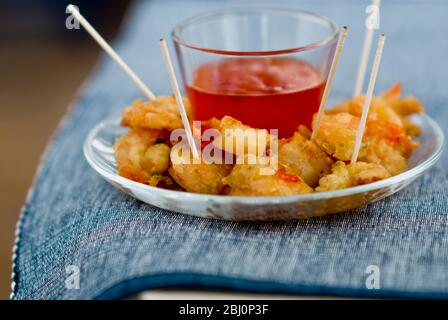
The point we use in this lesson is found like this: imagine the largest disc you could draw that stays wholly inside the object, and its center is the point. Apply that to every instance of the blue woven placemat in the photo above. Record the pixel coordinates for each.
(73, 219)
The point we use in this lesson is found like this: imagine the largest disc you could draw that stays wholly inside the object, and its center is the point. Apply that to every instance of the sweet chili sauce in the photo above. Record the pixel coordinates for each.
(270, 93)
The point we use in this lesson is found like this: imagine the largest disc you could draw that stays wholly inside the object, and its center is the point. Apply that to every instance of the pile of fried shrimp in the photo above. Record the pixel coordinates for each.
(144, 153)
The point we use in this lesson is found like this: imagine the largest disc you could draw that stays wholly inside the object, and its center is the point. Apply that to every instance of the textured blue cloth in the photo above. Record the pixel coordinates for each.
(122, 246)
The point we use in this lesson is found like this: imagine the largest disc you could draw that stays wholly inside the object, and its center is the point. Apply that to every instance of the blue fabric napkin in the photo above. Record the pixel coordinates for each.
(75, 226)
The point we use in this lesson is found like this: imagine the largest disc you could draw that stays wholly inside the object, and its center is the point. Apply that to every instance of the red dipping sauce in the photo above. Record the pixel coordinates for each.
(270, 93)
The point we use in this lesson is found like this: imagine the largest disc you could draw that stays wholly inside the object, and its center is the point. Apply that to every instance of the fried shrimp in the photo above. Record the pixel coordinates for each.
(355, 174)
(337, 134)
(198, 177)
(389, 107)
(138, 156)
(156, 158)
(304, 158)
(381, 152)
(158, 114)
(239, 160)
(238, 138)
(379, 110)
(404, 107)
(392, 134)
(249, 179)
(385, 143)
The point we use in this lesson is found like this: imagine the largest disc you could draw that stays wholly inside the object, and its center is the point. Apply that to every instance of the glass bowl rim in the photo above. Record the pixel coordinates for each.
(252, 200)
(241, 10)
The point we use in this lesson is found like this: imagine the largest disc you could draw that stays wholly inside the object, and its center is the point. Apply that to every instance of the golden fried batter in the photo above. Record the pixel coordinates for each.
(337, 134)
(300, 164)
(198, 177)
(234, 133)
(160, 113)
(389, 107)
(383, 153)
(138, 158)
(384, 142)
(403, 106)
(345, 176)
(379, 110)
(304, 158)
(248, 179)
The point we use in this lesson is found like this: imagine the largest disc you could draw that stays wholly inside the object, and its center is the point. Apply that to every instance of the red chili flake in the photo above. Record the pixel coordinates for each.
(290, 177)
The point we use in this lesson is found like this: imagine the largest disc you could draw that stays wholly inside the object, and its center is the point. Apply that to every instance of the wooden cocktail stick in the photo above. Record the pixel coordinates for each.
(96, 36)
(331, 74)
(369, 95)
(368, 38)
(177, 94)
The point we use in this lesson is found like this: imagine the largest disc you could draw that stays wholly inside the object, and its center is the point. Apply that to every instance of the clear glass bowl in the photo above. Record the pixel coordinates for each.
(255, 33)
(99, 152)
(242, 61)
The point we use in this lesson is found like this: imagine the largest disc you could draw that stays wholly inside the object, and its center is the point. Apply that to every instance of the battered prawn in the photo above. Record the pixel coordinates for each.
(304, 157)
(337, 134)
(384, 142)
(389, 107)
(387, 144)
(379, 110)
(139, 157)
(249, 179)
(301, 164)
(198, 177)
(355, 174)
(404, 107)
(157, 114)
(238, 138)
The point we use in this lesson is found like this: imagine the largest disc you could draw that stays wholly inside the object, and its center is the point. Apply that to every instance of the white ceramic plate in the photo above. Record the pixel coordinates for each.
(99, 152)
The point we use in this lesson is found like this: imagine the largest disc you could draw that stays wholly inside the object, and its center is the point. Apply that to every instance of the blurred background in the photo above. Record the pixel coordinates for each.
(42, 67)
